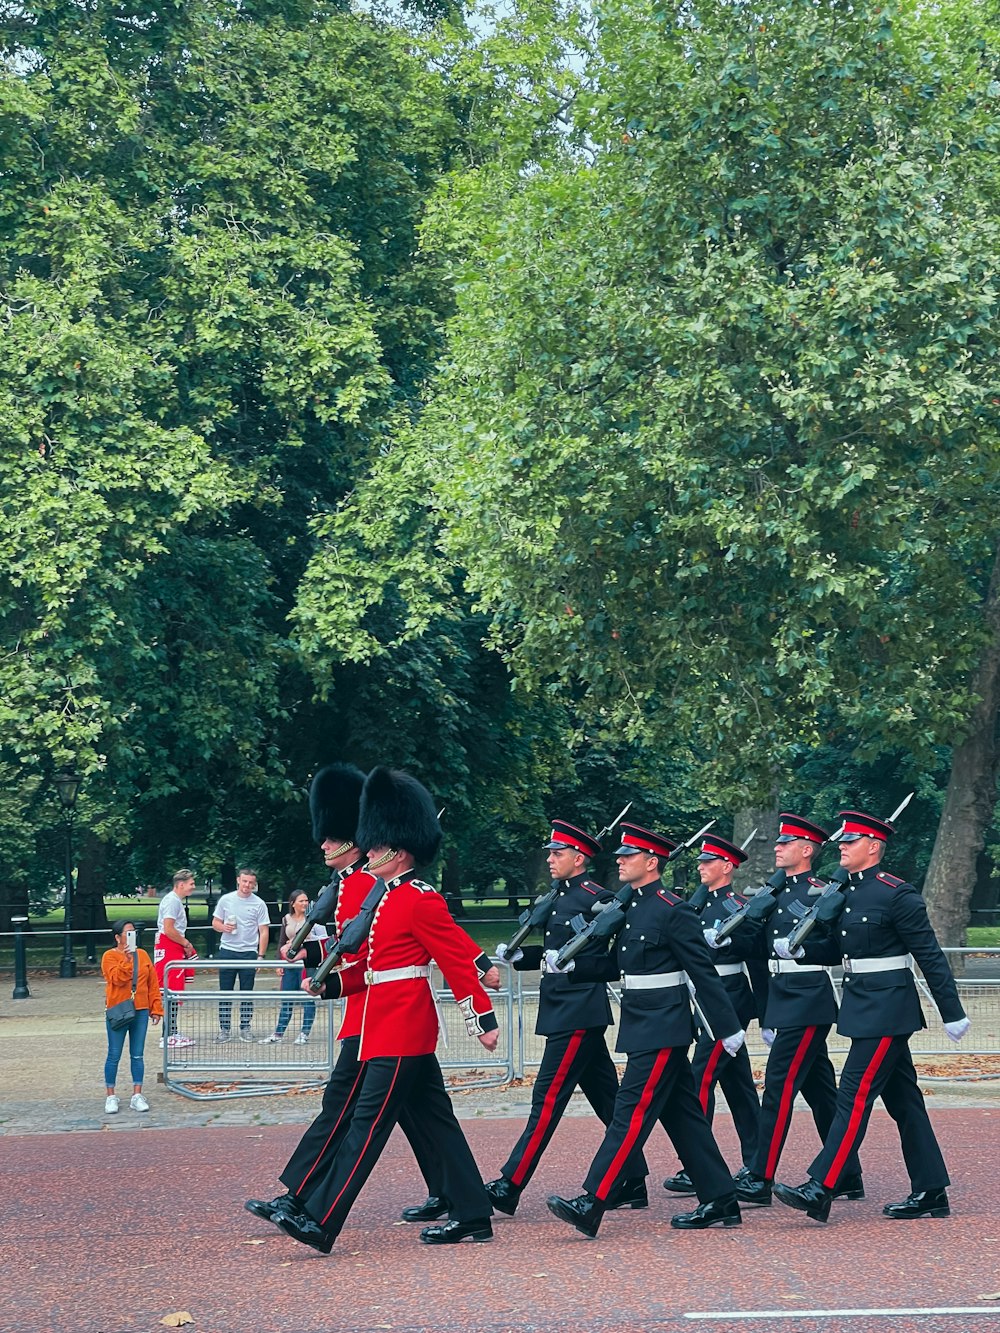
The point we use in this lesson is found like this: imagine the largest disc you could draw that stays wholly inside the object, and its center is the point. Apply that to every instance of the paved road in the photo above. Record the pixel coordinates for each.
(108, 1234)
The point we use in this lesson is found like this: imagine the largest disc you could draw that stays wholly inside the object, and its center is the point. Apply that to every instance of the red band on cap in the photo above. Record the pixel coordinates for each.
(866, 830)
(797, 831)
(710, 848)
(568, 841)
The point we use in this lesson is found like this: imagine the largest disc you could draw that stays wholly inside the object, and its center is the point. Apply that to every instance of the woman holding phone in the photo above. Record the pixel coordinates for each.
(118, 967)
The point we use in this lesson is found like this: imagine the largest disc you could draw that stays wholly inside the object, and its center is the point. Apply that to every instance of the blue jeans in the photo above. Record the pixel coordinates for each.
(228, 977)
(136, 1032)
(291, 979)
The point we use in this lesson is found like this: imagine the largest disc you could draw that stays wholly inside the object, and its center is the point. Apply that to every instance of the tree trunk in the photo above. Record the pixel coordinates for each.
(89, 912)
(451, 884)
(758, 868)
(972, 792)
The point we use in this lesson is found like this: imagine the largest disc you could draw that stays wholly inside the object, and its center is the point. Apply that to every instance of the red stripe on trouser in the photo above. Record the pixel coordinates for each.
(548, 1108)
(857, 1113)
(708, 1077)
(785, 1104)
(634, 1125)
(343, 1112)
(381, 1113)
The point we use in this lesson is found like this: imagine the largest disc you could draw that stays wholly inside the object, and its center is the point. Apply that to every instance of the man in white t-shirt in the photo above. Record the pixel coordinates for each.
(242, 919)
(171, 945)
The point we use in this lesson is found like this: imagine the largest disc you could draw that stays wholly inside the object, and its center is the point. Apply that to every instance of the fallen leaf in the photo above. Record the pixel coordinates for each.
(255, 1242)
(990, 1296)
(177, 1320)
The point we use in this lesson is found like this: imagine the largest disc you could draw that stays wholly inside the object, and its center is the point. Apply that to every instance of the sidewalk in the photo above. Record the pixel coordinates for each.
(52, 1049)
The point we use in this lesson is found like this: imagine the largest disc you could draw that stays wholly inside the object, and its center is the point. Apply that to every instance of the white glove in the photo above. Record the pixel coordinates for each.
(781, 948)
(711, 934)
(767, 1036)
(957, 1030)
(515, 957)
(731, 1045)
(549, 963)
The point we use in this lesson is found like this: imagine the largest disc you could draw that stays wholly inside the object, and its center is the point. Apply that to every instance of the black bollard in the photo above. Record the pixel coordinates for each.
(21, 991)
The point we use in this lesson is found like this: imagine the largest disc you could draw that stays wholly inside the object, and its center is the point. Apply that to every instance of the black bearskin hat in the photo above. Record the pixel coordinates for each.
(398, 811)
(334, 798)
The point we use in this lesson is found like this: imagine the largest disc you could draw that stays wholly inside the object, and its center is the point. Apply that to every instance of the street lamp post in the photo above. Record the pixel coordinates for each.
(68, 787)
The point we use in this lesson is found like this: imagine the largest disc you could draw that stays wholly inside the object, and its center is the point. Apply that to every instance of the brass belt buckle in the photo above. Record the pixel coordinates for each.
(369, 977)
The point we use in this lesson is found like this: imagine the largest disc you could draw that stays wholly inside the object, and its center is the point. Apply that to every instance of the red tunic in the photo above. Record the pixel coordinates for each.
(352, 893)
(412, 927)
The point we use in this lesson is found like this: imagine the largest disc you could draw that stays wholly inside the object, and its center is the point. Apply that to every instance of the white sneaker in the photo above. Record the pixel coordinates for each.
(266, 1041)
(177, 1040)
(246, 1035)
(138, 1103)
(224, 1037)
(301, 1039)
(111, 1105)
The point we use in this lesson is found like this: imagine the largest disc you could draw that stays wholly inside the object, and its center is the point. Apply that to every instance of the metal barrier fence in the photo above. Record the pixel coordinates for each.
(231, 1053)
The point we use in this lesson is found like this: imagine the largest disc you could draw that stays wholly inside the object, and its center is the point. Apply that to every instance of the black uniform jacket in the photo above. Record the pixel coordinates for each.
(661, 934)
(882, 917)
(720, 904)
(563, 1007)
(794, 999)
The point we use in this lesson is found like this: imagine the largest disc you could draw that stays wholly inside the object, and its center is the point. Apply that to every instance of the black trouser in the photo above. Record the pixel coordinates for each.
(389, 1083)
(227, 981)
(881, 1067)
(314, 1156)
(570, 1060)
(658, 1086)
(797, 1062)
(711, 1065)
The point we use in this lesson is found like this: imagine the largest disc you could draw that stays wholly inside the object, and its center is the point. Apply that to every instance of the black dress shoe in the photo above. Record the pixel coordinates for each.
(923, 1203)
(480, 1228)
(752, 1189)
(504, 1195)
(269, 1209)
(630, 1194)
(812, 1198)
(726, 1211)
(302, 1228)
(679, 1184)
(584, 1212)
(429, 1211)
(849, 1187)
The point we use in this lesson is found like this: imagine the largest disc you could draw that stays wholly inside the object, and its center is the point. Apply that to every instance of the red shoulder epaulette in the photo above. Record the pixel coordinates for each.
(892, 880)
(591, 886)
(816, 883)
(671, 899)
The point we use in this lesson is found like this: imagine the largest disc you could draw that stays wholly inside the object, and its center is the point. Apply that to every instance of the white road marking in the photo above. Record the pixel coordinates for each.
(733, 1315)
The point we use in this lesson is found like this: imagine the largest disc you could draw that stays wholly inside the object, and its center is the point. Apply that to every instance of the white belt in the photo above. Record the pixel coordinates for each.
(729, 969)
(775, 965)
(396, 974)
(653, 980)
(896, 963)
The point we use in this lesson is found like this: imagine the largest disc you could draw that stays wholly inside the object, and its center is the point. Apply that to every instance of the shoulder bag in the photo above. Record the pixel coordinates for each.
(120, 1015)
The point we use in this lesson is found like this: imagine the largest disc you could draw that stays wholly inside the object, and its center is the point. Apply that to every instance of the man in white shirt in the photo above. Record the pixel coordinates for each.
(241, 918)
(171, 945)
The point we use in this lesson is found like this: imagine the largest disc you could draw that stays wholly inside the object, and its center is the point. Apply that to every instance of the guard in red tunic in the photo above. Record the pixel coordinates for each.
(801, 1009)
(710, 1065)
(659, 949)
(573, 1019)
(333, 802)
(411, 928)
(883, 926)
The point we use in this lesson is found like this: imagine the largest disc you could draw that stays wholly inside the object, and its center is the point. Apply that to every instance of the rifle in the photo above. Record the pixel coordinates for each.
(699, 898)
(829, 904)
(354, 934)
(611, 917)
(535, 916)
(759, 907)
(321, 910)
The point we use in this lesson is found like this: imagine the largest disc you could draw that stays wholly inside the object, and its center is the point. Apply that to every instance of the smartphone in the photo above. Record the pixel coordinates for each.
(130, 941)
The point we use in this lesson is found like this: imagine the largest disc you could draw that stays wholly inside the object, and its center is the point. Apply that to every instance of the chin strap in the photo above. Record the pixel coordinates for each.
(383, 860)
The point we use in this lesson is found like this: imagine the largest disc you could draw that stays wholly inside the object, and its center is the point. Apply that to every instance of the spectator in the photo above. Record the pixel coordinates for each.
(241, 918)
(170, 946)
(117, 967)
(291, 977)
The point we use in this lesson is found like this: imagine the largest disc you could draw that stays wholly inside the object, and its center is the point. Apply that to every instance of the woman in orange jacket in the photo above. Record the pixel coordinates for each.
(117, 966)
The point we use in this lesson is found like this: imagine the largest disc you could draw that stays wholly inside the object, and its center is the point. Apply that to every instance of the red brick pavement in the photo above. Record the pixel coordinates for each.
(107, 1233)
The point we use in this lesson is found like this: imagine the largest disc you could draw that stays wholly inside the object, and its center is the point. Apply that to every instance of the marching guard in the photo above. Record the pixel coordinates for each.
(717, 862)
(659, 949)
(801, 1009)
(573, 1019)
(411, 928)
(882, 925)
